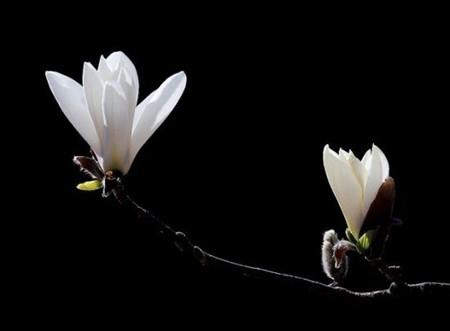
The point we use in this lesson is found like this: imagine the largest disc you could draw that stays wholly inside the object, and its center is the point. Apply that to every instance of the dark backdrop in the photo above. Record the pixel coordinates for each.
(238, 163)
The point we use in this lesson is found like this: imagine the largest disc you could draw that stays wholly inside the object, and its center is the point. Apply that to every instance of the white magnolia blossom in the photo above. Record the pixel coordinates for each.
(105, 112)
(355, 183)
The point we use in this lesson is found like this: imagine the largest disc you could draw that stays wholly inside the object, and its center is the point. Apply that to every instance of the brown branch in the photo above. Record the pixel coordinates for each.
(304, 285)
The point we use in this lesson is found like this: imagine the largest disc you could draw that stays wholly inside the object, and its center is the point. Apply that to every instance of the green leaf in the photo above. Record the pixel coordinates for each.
(366, 239)
(91, 185)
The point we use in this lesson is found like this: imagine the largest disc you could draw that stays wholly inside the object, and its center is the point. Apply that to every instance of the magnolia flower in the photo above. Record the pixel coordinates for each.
(357, 185)
(105, 111)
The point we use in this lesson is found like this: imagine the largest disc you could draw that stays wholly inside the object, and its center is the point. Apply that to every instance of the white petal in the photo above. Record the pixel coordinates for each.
(118, 121)
(374, 179)
(129, 88)
(384, 161)
(366, 160)
(124, 78)
(151, 112)
(358, 169)
(343, 155)
(346, 188)
(93, 90)
(70, 97)
(103, 70)
(119, 60)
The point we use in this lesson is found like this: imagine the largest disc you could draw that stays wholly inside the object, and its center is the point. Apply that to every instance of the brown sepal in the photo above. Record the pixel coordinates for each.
(380, 211)
(89, 166)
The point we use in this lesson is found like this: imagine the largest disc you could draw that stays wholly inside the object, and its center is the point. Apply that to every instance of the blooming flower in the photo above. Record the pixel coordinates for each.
(105, 111)
(356, 184)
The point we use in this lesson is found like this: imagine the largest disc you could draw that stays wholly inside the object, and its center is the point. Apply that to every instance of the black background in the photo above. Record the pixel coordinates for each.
(238, 163)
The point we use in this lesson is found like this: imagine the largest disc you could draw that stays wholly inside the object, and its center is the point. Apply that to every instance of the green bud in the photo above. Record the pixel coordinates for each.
(365, 240)
(91, 185)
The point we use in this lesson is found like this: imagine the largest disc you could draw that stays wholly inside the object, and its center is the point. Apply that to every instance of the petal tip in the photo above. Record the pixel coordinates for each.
(181, 75)
(87, 64)
(328, 151)
(50, 74)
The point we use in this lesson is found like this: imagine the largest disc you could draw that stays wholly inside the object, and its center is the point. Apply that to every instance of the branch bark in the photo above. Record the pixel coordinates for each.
(424, 290)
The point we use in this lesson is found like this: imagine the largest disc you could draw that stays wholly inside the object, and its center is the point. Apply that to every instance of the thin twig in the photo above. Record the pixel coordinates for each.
(182, 242)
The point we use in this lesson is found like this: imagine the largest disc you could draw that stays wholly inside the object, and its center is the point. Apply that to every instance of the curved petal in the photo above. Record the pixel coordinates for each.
(103, 70)
(128, 88)
(345, 187)
(119, 60)
(70, 97)
(118, 120)
(376, 172)
(384, 161)
(93, 90)
(367, 159)
(358, 169)
(151, 112)
(343, 155)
